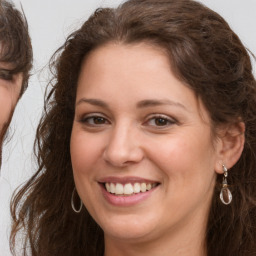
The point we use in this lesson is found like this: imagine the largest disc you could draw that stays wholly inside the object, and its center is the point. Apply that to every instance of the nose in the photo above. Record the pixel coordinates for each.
(123, 147)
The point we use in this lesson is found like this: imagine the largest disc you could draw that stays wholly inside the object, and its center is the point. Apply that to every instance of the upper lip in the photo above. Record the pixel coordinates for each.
(124, 180)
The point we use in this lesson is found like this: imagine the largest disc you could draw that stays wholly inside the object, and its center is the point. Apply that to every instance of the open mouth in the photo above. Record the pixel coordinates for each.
(129, 189)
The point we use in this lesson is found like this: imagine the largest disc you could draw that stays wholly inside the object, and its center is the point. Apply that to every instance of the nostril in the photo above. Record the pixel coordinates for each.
(123, 156)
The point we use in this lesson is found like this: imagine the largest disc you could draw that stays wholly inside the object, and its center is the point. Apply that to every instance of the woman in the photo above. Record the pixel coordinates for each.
(15, 63)
(147, 143)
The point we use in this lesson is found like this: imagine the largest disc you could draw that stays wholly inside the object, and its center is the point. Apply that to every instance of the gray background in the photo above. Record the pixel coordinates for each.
(50, 21)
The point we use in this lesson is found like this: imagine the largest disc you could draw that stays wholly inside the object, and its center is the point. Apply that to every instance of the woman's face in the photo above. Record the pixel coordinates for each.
(142, 151)
(10, 87)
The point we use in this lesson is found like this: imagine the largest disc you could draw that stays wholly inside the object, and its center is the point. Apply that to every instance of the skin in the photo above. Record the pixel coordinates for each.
(10, 88)
(143, 122)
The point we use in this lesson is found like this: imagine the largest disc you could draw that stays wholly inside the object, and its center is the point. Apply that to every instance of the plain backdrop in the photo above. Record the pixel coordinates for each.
(50, 22)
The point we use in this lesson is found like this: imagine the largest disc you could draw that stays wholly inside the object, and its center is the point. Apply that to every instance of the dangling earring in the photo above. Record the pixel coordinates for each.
(225, 194)
(72, 202)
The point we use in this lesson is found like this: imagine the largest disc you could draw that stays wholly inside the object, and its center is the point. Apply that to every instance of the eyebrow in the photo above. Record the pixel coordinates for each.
(94, 102)
(153, 103)
(140, 104)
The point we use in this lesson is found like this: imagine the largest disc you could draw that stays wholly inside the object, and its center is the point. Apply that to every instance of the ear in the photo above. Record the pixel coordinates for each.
(230, 145)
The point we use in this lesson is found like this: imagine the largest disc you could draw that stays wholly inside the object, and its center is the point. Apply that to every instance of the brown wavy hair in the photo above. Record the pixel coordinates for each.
(15, 43)
(15, 51)
(204, 53)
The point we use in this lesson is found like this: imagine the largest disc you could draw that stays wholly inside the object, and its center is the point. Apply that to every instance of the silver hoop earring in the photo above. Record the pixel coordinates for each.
(225, 194)
(72, 203)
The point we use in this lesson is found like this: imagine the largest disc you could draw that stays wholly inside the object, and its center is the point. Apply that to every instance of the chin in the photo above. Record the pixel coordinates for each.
(129, 235)
(131, 229)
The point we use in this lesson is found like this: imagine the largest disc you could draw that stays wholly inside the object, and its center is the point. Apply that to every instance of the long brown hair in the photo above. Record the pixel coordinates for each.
(204, 53)
(15, 43)
(15, 51)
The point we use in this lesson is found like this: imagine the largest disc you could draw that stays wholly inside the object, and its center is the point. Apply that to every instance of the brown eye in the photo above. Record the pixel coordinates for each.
(161, 121)
(99, 120)
(94, 120)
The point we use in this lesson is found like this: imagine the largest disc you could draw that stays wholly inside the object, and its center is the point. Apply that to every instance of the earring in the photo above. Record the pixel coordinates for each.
(225, 194)
(72, 202)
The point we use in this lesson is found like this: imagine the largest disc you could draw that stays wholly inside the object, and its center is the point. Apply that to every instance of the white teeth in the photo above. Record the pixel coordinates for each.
(143, 187)
(149, 186)
(136, 188)
(108, 187)
(119, 189)
(112, 188)
(129, 189)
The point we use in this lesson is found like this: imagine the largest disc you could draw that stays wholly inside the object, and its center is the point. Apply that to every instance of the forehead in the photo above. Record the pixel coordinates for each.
(128, 62)
(119, 72)
(114, 57)
(134, 47)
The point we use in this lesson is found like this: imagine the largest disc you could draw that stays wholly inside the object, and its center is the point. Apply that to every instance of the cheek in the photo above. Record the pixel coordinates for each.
(7, 103)
(184, 156)
(85, 154)
(9, 95)
(188, 168)
(85, 151)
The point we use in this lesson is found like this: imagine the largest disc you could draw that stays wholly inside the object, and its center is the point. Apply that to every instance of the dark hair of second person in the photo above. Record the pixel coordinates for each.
(15, 61)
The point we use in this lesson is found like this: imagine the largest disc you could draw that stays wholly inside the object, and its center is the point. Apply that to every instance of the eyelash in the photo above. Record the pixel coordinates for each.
(165, 121)
(93, 117)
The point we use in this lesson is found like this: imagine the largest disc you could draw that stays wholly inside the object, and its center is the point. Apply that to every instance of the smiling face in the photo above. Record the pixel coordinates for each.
(10, 87)
(142, 151)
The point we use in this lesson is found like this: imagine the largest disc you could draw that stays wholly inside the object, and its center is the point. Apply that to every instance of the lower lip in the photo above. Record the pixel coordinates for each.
(127, 200)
